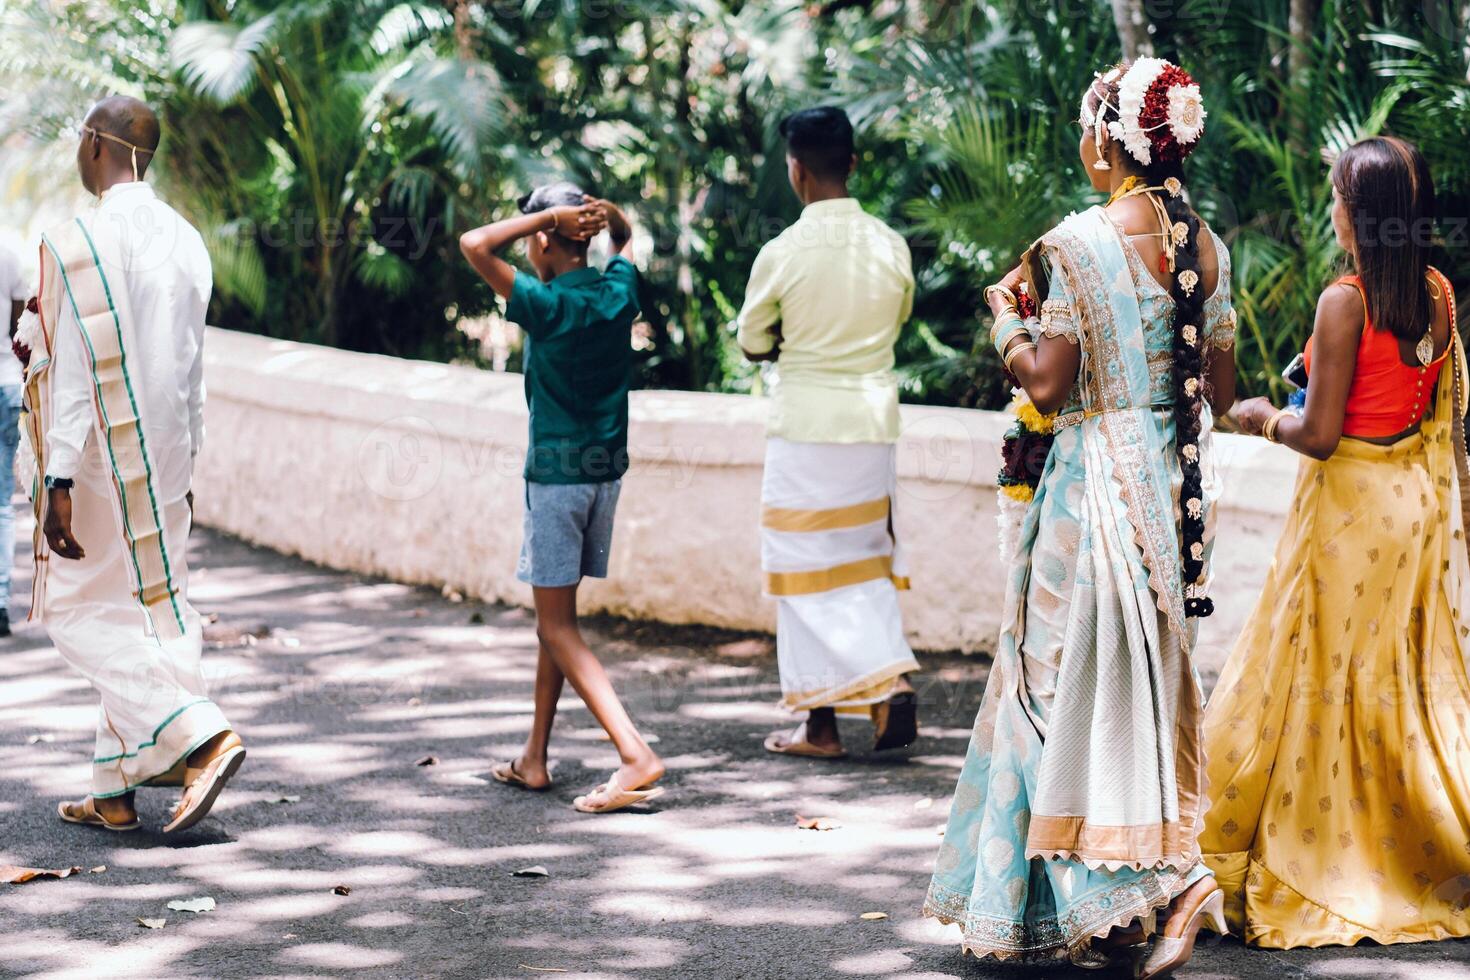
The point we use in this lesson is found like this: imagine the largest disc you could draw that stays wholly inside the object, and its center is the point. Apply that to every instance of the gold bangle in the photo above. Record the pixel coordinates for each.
(1005, 329)
(1269, 429)
(1003, 290)
(1016, 351)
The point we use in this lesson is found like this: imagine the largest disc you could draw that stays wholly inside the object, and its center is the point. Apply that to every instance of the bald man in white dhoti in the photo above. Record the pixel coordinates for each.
(115, 395)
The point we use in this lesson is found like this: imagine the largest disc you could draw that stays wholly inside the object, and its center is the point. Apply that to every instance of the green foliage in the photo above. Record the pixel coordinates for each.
(333, 150)
(993, 103)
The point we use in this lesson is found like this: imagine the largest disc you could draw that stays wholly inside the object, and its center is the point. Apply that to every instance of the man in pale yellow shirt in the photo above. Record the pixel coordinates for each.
(826, 300)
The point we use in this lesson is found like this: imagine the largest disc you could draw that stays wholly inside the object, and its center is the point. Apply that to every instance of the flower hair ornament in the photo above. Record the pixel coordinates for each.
(1161, 114)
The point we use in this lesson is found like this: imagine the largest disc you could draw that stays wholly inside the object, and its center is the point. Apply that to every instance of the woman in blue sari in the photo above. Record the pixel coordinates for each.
(1082, 794)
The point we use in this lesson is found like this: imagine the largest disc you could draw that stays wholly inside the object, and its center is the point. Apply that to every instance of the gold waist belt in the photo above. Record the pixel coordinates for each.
(1068, 419)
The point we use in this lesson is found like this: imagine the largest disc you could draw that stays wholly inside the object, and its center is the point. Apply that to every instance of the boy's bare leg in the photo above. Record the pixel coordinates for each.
(556, 625)
(531, 766)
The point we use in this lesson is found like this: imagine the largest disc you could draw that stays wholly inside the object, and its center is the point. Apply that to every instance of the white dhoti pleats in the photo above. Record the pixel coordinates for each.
(832, 561)
(154, 710)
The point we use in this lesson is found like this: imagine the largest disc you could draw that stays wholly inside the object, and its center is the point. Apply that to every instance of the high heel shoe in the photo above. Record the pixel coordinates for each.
(1171, 952)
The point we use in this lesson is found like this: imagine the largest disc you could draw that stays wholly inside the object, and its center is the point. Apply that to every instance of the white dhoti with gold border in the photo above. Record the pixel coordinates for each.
(833, 563)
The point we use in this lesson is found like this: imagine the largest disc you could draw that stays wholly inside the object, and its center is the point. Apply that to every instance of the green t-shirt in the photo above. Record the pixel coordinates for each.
(578, 359)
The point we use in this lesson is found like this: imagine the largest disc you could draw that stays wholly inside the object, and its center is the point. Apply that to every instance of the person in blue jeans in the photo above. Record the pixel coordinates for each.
(13, 294)
(578, 358)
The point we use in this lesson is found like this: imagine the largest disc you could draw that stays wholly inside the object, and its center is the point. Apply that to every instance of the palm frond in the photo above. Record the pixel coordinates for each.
(378, 268)
(218, 60)
(239, 270)
(461, 100)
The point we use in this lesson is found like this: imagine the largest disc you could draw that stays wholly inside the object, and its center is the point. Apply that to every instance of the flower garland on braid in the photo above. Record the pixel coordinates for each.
(1153, 108)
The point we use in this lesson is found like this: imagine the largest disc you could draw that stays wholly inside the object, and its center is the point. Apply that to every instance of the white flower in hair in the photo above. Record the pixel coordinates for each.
(1191, 452)
(1191, 386)
(1186, 113)
(1131, 92)
(1197, 551)
(1191, 334)
(1180, 232)
(1173, 186)
(1195, 506)
(1188, 279)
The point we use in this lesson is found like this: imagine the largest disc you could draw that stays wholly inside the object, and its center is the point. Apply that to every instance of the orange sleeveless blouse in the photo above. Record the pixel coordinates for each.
(1387, 396)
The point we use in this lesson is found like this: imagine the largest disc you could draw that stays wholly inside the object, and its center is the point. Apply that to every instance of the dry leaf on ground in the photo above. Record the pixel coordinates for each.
(98, 870)
(817, 823)
(152, 923)
(13, 874)
(536, 871)
(874, 915)
(428, 760)
(342, 890)
(195, 905)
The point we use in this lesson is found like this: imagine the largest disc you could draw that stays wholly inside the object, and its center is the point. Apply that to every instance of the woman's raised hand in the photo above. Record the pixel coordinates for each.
(1010, 281)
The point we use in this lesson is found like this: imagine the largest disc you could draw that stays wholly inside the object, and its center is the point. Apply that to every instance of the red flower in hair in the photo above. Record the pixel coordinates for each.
(1155, 116)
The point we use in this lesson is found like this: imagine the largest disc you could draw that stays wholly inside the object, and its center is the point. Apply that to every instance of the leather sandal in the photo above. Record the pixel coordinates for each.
(612, 796)
(795, 743)
(84, 812)
(507, 773)
(203, 786)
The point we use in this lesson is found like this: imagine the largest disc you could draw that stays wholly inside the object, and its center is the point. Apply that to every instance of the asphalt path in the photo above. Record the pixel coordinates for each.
(336, 853)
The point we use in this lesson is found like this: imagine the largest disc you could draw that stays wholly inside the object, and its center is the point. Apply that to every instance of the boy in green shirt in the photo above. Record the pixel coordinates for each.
(578, 358)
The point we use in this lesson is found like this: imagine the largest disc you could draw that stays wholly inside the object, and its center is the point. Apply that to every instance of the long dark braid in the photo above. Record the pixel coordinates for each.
(1189, 395)
(1188, 351)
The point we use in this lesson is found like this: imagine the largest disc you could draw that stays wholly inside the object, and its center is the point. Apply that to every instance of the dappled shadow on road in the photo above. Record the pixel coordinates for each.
(343, 685)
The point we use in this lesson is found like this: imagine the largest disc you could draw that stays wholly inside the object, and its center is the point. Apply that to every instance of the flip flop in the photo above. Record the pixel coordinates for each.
(85, 813)
(611, 796)
(202, 790)
(505, 772)
(896, 722)
(795, 743)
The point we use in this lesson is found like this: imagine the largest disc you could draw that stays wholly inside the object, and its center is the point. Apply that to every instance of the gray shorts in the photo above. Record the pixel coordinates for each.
(568, 532)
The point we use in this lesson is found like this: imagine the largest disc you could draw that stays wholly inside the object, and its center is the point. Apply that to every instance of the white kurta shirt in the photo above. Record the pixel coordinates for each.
(167, 274)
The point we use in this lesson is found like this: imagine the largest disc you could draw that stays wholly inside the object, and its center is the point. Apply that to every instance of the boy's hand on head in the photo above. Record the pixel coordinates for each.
(580, 223)
(617, 223)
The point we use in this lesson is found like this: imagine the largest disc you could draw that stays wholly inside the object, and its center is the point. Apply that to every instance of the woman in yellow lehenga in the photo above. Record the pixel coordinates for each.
(1338, 737)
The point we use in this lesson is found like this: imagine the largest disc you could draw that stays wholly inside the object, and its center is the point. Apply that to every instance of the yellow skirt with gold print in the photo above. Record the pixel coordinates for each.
(1338, 738)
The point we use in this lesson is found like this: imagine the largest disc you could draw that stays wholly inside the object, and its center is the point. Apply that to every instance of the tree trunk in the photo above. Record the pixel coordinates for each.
(1301, 24)
(1132, 25)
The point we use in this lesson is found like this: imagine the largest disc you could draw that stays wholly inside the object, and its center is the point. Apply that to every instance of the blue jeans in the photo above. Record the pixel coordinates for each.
(10, 396)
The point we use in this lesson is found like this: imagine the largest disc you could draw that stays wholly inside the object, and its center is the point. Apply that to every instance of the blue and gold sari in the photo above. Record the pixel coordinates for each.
(1082, 793)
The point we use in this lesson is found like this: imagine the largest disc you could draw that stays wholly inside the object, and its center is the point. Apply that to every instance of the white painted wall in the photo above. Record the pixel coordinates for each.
(411, 470)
